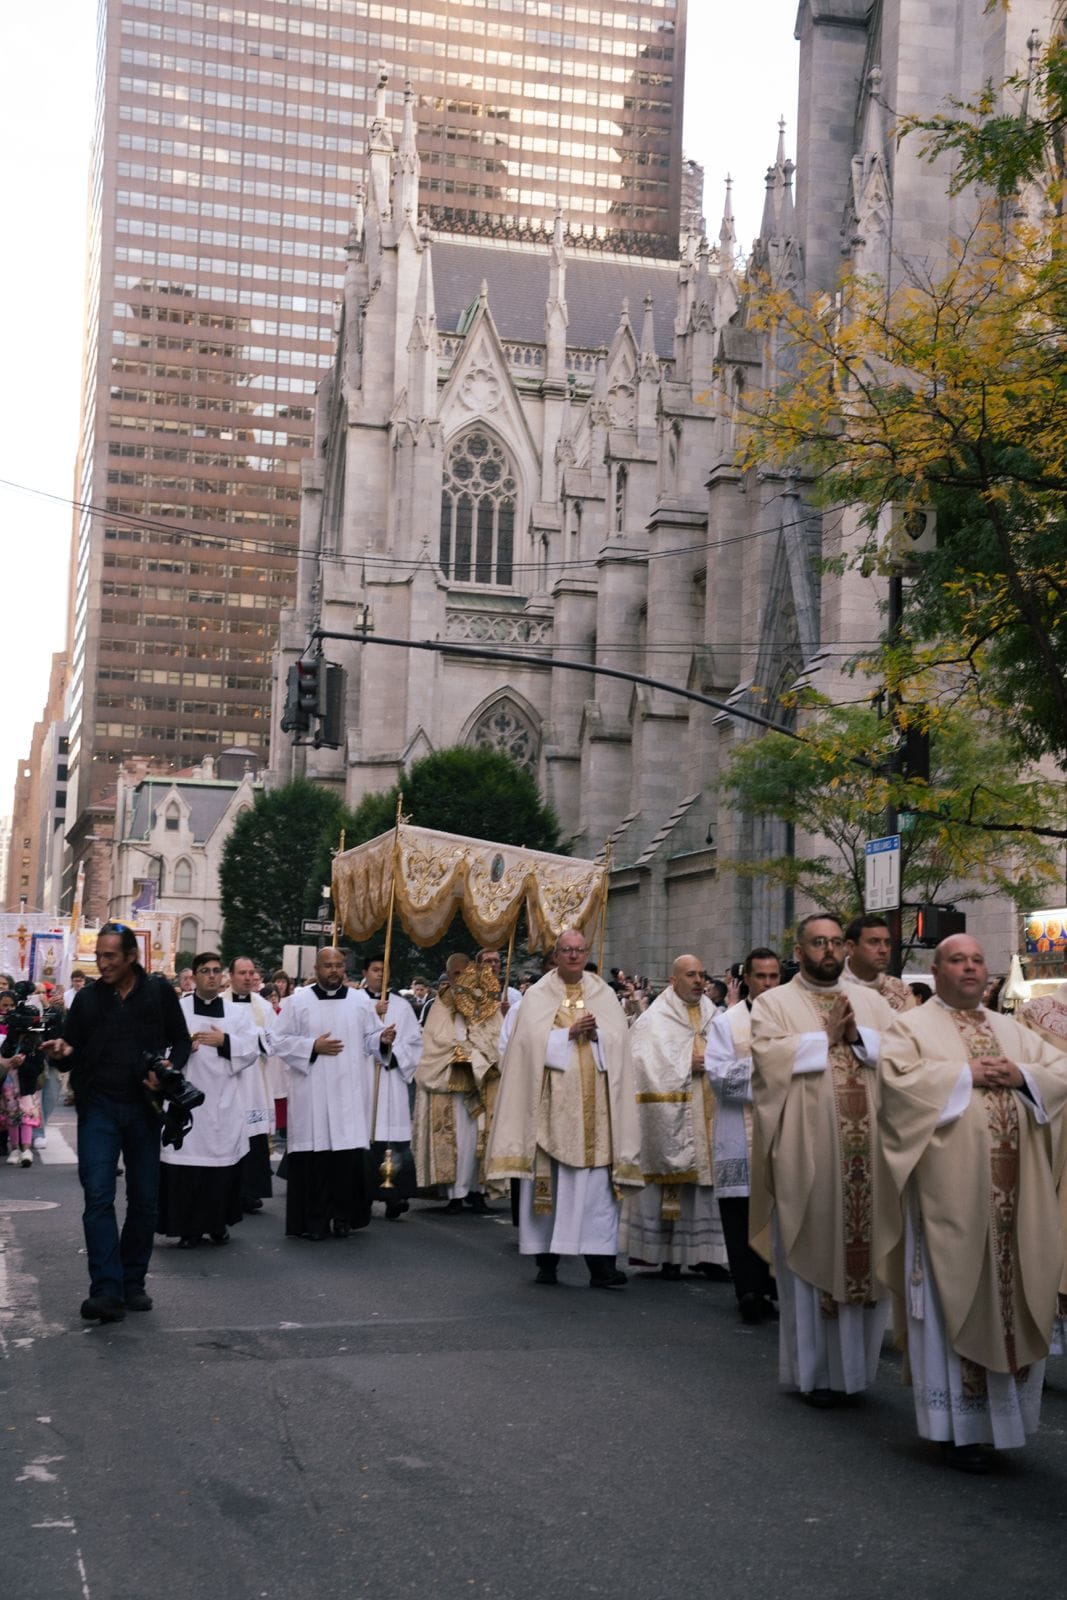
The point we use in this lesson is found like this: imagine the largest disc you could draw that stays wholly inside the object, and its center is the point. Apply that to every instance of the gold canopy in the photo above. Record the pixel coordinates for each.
(436, 874)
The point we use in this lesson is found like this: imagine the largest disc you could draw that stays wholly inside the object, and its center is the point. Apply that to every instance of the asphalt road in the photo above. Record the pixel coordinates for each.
(404, 1413)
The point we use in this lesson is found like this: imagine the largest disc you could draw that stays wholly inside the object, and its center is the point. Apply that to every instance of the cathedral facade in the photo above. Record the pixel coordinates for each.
(528, 444)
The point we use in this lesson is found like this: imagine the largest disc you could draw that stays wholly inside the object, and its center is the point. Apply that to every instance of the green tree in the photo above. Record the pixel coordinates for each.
(482, 794)
(833, 783)
(267, 880)
(948, 389)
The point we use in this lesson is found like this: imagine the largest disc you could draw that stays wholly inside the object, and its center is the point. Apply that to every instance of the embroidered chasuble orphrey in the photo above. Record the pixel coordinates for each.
(854, 1126)
(1002, 1116)
(574, 1119)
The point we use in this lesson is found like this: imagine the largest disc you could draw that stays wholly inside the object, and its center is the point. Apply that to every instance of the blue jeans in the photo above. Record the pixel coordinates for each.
(108, 1129)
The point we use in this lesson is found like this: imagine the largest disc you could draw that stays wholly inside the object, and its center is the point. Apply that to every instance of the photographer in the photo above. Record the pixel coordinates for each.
(20, 1068)
(109, 1030)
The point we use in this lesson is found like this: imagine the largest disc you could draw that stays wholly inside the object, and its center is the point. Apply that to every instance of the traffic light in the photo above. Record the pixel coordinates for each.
(934, 923)
(294, 719)
(330, 731)
(309, 685)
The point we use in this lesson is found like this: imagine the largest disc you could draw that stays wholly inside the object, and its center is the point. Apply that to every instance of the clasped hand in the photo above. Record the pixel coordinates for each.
(841, 1022)
(995, 1072)
(584, 1028)
(327, 1045)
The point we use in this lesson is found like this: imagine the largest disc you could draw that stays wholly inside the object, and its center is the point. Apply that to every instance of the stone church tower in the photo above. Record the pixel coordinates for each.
(529, 443)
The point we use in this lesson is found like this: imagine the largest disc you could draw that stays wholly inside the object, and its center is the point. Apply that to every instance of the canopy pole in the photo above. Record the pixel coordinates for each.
(383, 1002)
(340, 852)
(511, 952)
(604, 907)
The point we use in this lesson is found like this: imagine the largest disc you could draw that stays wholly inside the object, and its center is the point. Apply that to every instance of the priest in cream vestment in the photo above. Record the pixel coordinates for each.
(970, 1232)
(566, 1121)
(815, 1177)
(456, 1082)
(674, 1221)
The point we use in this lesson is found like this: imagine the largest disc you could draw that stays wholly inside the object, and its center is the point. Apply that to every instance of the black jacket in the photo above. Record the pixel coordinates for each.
(151, 1015)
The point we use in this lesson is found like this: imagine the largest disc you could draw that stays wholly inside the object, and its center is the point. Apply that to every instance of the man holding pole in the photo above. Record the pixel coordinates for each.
(393, 1044)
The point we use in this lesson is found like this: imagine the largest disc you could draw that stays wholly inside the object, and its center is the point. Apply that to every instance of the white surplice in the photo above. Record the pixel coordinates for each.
(219, 1135)
(728, 1064)
(394, 1104)
(259, 1102)
(329, 1099)
(585, 1214)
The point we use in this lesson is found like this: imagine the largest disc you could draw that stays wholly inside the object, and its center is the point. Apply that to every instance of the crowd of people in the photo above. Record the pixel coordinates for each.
(826, 1142)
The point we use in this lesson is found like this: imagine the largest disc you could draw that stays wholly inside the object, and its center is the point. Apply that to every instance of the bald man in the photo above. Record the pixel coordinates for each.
(674, 1222)
(968, 1232)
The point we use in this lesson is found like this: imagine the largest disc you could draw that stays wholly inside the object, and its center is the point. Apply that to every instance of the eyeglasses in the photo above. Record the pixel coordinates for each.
(825, 944)
(573, 950)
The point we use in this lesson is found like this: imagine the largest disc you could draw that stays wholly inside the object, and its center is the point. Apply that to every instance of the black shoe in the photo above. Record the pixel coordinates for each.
(453, 1209)
(821, 1399)
(395, 1209)
(671, 1271)
(138, 1300)
(546, 1268)
(220, 1236)
(713, 1272)
(188, 1241)
(252, 1204)
(316, 1235)
(103, 1308)
(476, 1201)
(341, 1230)
(972, 1458)
(604, 1274)
(751, 1307)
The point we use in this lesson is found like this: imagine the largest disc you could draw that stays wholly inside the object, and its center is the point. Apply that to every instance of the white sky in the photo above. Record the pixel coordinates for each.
(741, 77)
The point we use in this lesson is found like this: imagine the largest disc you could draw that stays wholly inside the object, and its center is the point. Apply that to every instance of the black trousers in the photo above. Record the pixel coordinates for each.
(750, 1272)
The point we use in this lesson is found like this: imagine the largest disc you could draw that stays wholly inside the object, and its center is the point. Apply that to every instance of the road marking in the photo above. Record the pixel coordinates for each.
(58, 1152)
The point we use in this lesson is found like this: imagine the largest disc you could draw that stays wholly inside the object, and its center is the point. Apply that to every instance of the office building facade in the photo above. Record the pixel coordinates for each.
(228, 156)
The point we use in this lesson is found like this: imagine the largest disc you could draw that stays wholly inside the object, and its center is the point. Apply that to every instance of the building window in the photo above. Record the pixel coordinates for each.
(183, 877)
(478, 512)
(620, 499)
(502, 726)
(189, 934)
(172, 819)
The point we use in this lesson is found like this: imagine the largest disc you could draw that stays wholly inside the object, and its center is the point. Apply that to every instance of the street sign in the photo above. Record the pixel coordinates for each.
(316, 925)
(882, 887)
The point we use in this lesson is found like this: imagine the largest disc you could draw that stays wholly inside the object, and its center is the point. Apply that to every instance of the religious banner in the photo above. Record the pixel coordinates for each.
(144, 896)
(430, 876)
(16, 939)
(46, 956)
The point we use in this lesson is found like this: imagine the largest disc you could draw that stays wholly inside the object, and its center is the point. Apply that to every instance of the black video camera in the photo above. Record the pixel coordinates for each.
(27, 1030)
(174, 1101)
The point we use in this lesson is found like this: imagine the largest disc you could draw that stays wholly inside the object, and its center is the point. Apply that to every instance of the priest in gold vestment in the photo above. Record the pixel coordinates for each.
(674, 1221)
(455, 1085)
(969, 1232)
(566, 1122)
(815, 1175)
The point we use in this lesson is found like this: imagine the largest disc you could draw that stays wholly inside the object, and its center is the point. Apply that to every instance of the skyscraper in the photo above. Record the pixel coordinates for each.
(228, 150)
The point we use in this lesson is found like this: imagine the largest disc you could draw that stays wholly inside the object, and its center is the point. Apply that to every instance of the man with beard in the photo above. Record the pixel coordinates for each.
(566, 1119)
(815, 1178)
(971, 1109)
(674, 1221)
(320, 1035)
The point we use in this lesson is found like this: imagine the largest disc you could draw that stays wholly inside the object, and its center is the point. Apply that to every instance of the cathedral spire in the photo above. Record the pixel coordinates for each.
(771, 225)
(422, 345)
(380, 148)
(556, 306)
(727, 232)
(407, 163)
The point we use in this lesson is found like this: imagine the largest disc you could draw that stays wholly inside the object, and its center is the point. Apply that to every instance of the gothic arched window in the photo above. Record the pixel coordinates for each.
(478, 511)
(502, 726)
(183, 876)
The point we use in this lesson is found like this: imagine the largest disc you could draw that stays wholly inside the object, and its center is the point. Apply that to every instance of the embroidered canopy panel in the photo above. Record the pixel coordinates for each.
(436, 874)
